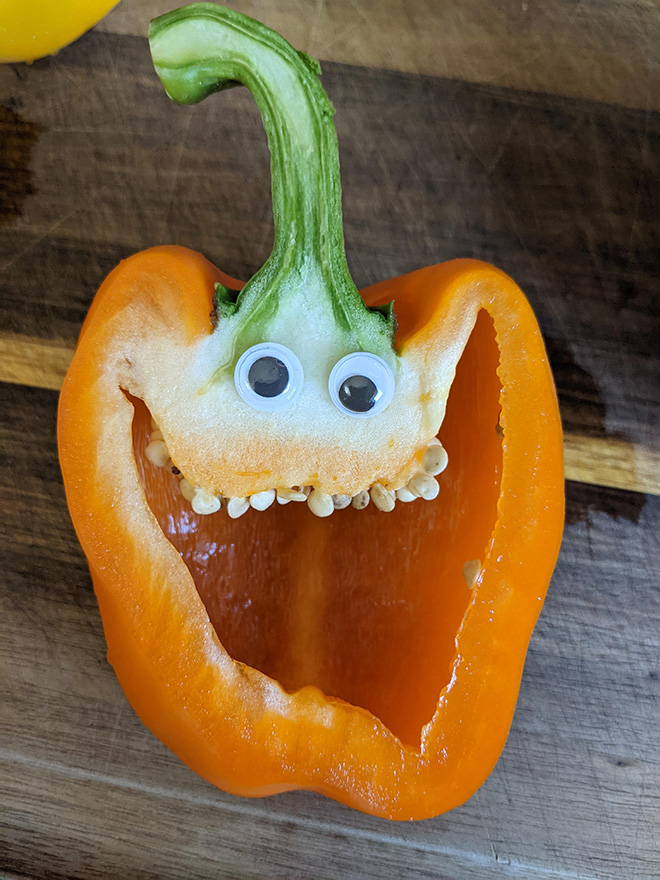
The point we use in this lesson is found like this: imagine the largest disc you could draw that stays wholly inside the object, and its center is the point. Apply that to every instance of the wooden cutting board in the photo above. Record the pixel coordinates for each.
(524, 134)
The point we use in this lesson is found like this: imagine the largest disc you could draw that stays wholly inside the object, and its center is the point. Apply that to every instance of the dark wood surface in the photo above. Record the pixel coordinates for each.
(551, 176)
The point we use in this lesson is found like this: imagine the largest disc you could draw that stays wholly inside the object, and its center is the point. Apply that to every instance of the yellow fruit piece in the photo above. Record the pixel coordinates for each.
(30, 29)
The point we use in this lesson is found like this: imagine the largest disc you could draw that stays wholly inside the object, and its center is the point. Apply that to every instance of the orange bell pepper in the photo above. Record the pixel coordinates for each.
(374, 654)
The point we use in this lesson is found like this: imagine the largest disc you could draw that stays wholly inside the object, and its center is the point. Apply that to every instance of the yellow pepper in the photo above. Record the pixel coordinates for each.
(30, 29)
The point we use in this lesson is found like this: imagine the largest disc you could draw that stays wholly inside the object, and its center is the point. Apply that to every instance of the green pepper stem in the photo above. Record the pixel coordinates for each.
(204, 48)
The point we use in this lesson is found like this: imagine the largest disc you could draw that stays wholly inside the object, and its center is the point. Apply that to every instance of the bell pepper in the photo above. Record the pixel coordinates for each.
(30, 29)
(320, 534)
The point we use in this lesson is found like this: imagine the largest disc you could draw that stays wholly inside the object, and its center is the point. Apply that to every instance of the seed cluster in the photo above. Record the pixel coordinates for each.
(422, 485)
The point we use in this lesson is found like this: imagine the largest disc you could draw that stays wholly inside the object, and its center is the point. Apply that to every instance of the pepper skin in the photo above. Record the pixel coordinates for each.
(30, 29)
(374, 657)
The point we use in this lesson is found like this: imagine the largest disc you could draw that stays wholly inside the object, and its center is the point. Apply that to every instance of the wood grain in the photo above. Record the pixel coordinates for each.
(616, 464)
(88, 792)
(482, 129)
(601, 51)
(38, 363)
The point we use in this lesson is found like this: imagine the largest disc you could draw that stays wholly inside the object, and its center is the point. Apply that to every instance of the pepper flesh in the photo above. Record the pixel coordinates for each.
(381, 681)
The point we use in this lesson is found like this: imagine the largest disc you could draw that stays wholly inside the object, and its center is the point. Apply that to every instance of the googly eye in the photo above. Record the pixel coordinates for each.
(268, 376)
(361, 385)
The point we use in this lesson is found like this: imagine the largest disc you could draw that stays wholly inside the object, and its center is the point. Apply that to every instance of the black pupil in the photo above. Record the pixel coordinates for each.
(358, 393)
(268, 377)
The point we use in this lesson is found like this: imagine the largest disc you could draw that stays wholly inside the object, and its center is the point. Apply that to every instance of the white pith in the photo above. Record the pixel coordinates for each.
(423, 485)
(225, 446)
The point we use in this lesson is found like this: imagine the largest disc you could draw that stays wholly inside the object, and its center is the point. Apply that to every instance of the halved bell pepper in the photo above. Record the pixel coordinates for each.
(373, 651)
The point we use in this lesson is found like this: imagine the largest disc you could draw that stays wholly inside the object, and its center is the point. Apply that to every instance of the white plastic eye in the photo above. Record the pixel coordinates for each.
(268, 376)
(361, 385)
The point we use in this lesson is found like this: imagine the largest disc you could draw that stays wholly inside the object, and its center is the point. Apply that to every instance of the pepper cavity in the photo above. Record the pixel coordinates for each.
(433, 461)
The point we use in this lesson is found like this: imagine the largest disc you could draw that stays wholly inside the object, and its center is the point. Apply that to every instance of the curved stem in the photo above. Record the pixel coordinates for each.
(204, 48)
